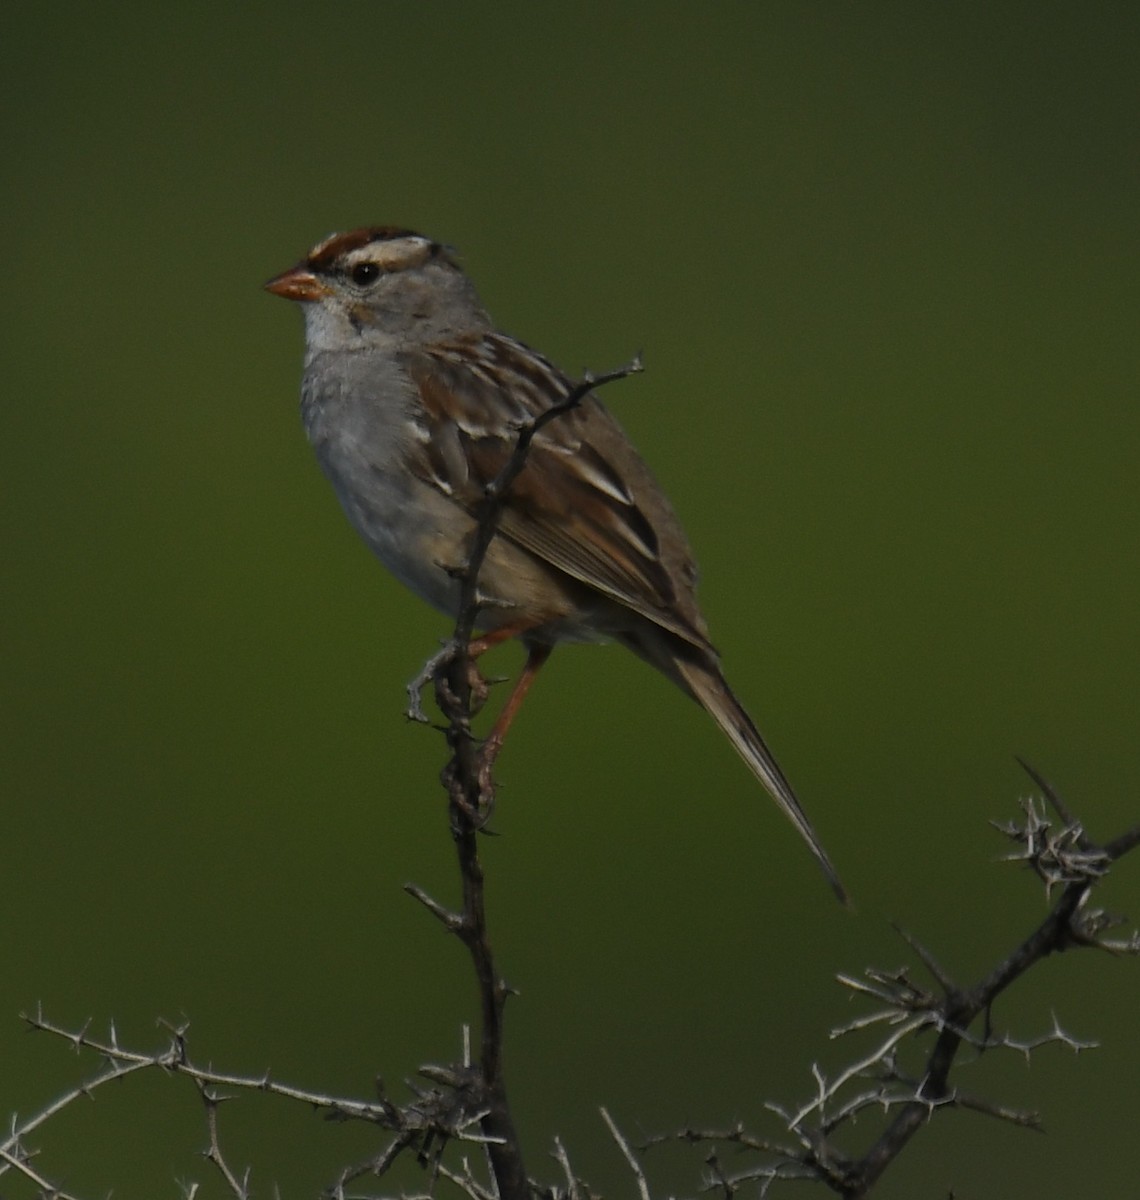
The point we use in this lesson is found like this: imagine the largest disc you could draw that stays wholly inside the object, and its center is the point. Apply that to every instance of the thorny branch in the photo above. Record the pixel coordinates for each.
(436, 1114)
(1063, 857)
(470, 804)
(452, 1106)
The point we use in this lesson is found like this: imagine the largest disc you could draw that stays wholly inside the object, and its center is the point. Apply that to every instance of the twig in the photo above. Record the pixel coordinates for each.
(452, 1111)
(573, 1192)
(47, 1188)
(469, 806)
(212, 1100)
(1064, 858)
(630, 1157)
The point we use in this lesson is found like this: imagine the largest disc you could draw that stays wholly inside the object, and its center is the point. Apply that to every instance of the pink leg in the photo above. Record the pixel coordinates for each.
(536, 656)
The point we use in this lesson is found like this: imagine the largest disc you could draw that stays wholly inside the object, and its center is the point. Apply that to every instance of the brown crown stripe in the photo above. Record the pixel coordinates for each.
(325, 253)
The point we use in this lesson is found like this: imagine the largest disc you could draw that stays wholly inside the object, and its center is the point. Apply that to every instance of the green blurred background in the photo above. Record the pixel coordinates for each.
(882, 262)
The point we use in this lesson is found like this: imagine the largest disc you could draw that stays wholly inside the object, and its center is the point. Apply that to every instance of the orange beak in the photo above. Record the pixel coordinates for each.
(298, 283)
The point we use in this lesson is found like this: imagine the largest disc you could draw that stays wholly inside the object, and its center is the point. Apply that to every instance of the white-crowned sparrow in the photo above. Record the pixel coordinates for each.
(413, 400)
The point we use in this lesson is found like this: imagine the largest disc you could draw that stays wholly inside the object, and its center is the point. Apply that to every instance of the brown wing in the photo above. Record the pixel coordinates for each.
(584, 502)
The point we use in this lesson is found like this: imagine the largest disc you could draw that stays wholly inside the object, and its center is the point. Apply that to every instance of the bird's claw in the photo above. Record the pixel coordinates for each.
(432, 672)
(427, 674)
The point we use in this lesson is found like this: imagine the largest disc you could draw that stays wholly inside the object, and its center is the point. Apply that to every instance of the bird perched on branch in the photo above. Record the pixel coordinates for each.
(413, 402)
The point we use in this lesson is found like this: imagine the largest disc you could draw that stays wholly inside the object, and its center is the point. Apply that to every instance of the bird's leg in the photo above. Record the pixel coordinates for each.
(479, 685)
(475, 679)
(536, 655)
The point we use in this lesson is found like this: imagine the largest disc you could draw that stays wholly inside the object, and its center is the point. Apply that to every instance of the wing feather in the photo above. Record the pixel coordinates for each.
(585, 502)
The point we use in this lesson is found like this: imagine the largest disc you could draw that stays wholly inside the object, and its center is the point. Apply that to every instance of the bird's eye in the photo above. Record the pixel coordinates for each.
(364, 272)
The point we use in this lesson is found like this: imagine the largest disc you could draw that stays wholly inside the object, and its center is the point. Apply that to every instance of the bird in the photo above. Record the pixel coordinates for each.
(413, 399)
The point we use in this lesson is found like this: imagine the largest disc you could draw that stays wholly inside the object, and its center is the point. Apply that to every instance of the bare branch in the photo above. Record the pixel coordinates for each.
(1064, 858)
(211, 1100)
(572, 1191)
(459, 690)
(630, 1157)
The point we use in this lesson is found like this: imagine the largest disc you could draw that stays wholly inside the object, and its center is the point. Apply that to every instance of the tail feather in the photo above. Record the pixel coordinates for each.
(699, 675)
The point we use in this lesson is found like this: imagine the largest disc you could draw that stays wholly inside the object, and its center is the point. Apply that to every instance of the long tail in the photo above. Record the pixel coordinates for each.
(699, 675)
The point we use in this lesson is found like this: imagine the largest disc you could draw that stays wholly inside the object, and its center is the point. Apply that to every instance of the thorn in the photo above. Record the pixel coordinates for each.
(928, 961)
(1059, 806)
(453, 921)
